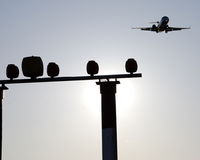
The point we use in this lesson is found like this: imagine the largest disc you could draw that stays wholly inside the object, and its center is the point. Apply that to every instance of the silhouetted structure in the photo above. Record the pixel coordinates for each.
(109, 123)
(2, 88)
(1, 119)
(32, 67)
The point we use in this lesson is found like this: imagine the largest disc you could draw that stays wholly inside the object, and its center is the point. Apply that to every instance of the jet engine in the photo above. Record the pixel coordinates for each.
(154, 27)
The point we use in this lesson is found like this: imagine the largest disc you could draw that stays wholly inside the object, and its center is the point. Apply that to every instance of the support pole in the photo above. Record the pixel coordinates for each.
(1, 99)
(2, 88)
(109, 123)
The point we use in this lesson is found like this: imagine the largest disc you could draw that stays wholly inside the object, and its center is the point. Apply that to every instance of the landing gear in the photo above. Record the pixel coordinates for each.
(166, 29)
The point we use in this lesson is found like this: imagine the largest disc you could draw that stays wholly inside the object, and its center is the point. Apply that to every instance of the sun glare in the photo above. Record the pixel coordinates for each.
(126, 98)
(91, 98)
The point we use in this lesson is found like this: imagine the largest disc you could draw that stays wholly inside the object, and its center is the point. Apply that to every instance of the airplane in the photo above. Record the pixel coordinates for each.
(161, 26)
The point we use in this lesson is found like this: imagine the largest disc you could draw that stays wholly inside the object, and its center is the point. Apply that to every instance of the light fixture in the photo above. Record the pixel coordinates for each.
(12, 71)
(53, 70)
(92, 68)
(131, 66)
(32, 67)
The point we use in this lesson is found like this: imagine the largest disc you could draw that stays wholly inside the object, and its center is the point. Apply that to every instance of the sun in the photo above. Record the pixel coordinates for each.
(126, 98)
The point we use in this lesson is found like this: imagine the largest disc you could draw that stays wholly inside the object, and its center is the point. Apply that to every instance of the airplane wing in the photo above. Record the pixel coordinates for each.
(145, 28)
(175, 29)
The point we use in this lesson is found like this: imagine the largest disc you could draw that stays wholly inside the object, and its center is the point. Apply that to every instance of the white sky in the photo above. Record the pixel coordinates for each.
(158, 114)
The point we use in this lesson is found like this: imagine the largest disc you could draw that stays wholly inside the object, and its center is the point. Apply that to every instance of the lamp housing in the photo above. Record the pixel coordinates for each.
(12, 71)
(92, 68)
(131, 66)
(32, 67)
(53, 70)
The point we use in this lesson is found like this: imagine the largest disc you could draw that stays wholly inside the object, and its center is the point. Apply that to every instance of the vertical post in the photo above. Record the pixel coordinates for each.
(2, 88)
(109, 123)
(1, 99)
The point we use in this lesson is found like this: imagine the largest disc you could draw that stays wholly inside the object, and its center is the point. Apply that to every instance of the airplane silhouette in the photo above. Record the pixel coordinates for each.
(161, 26)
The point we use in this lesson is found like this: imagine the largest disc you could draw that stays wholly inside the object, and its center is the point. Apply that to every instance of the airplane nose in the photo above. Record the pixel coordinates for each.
(166, 19)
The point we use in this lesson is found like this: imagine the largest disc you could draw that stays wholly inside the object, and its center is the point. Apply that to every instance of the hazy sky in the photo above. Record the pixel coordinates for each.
(158, 114)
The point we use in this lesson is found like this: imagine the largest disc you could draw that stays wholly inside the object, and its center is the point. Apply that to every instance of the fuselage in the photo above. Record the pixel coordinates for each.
(162, 25)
